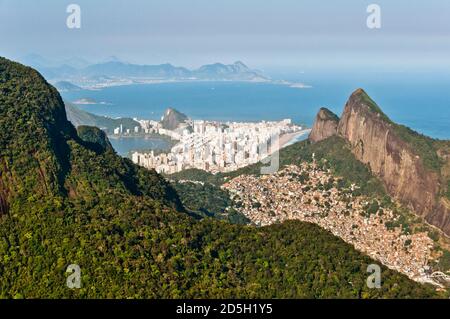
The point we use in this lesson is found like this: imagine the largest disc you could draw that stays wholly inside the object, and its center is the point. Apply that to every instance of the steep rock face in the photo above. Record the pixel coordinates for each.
(375, 142)
(172, 119)
(325, 125)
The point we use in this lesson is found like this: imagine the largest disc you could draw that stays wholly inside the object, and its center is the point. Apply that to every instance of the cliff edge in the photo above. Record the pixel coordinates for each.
(325, 125)
(410, 165)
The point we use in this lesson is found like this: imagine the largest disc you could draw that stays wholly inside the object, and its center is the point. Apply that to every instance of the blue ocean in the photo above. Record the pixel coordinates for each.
(418, 100)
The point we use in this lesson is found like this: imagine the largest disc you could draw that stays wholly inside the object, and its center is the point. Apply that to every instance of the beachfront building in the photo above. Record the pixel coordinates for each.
(220, 147)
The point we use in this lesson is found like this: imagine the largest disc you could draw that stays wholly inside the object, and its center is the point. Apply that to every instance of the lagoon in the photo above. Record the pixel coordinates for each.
(124, 145)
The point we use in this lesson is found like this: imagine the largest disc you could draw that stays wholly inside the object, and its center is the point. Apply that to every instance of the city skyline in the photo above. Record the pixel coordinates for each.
(217, 146)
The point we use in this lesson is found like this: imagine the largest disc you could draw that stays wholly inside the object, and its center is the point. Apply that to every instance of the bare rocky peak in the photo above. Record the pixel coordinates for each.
(403, 159)
(172, 119)
(325, 125)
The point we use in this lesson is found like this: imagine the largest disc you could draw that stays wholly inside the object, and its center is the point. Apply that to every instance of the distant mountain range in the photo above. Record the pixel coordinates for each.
(81, 72)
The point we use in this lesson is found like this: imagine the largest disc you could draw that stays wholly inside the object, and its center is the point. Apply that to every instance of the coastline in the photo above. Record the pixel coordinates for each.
(284, 140)
(291, 138)
(131, 81)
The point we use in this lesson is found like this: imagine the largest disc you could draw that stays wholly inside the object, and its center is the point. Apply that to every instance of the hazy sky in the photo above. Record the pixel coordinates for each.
(262, 33)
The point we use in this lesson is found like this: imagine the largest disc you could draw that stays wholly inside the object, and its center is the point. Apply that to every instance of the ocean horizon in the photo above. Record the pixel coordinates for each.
(419, 101)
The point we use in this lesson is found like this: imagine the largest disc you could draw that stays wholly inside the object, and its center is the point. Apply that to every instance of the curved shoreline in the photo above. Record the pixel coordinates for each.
(291, 138)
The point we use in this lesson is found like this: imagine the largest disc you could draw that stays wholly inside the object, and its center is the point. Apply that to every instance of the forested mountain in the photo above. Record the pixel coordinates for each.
(67, 198)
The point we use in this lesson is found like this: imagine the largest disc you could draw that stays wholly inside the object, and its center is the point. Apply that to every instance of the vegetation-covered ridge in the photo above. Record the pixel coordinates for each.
(71, 201)
(203, 199)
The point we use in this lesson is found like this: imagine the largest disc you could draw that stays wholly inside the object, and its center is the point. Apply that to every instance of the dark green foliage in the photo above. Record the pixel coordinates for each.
(372, 208)
(433, 234)
(70, 204)
(444, 261)
(402, 221)
(94, 135)
(33, 152)
(448, 190)
(208, 200)
(136, 250)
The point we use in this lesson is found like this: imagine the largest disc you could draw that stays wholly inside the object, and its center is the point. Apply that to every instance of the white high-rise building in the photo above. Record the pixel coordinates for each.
(212, 148)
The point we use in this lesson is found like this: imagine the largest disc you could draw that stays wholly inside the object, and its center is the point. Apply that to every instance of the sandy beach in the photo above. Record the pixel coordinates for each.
(291, 138)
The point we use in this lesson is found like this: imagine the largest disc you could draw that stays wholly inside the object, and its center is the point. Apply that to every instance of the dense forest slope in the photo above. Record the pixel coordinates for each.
(413, 167)
(67, 198)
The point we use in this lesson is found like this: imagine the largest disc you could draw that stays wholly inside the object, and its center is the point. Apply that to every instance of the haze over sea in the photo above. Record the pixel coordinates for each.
(420, 100)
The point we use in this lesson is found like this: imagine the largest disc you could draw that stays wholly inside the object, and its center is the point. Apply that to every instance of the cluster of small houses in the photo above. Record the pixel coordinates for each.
(310, 194)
